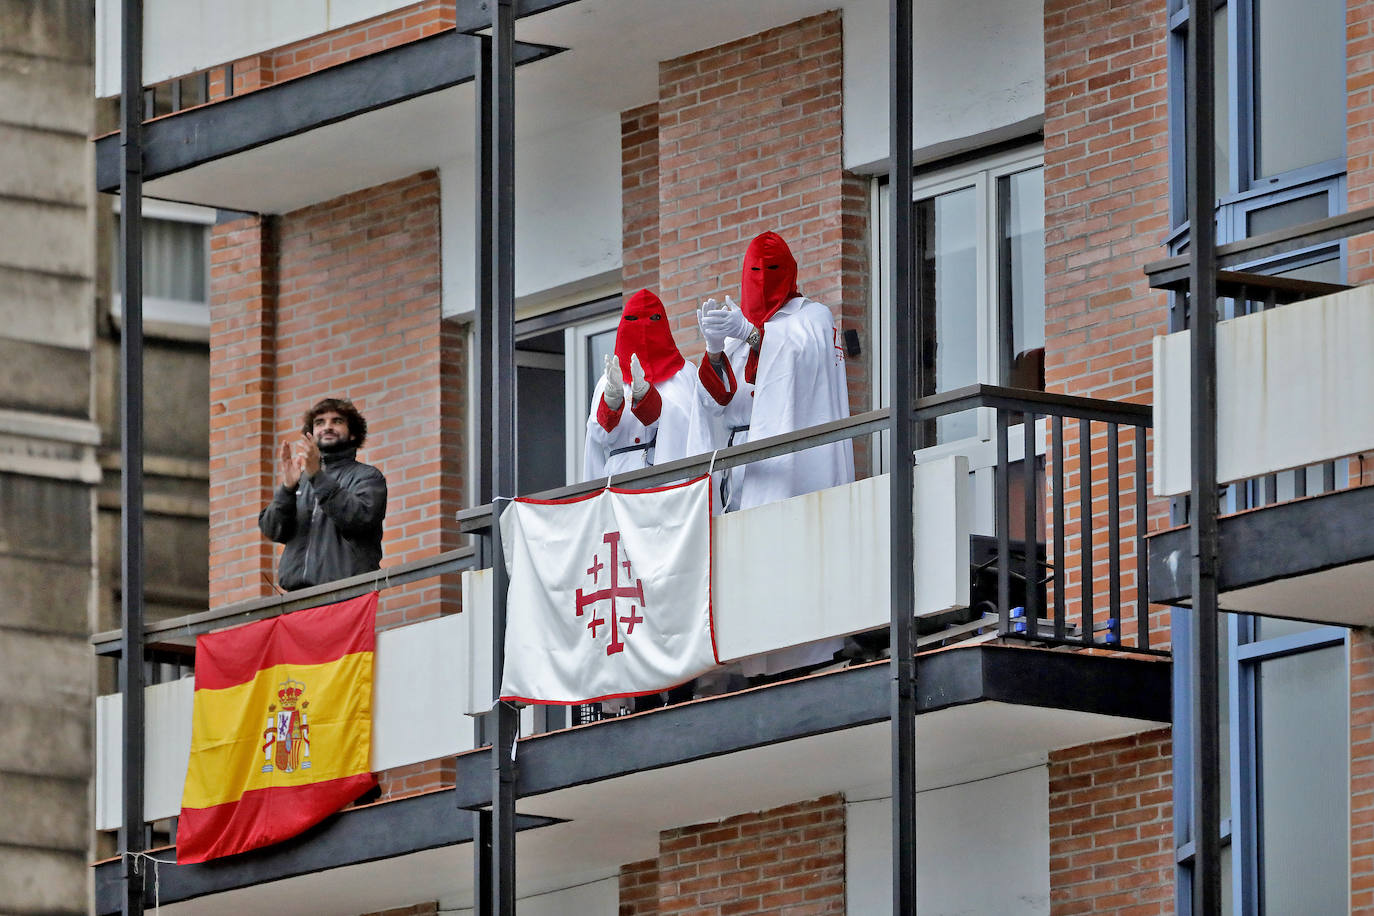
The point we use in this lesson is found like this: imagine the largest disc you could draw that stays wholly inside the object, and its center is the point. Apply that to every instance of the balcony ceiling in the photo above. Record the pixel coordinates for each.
(614, 47)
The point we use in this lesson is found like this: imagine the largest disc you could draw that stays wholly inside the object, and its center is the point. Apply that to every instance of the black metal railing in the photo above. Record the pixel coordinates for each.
(1027, 590)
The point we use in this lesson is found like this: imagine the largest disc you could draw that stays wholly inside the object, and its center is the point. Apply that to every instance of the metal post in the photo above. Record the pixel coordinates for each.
(483, 404)
(131, 831)
(1202, 248)
(905, 346)
(502, 191)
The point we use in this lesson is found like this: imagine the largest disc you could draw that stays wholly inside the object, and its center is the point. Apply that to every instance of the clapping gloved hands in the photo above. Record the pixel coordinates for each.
(613, 393)
(717, 322)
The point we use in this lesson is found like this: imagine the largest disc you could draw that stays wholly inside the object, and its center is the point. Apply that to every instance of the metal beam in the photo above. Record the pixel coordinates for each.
(501, 229)
(1265, 545)
(1205, 777)
(354, 836)
(132, 839)
(902, 583)
(181, 628)
(1168, 272)
(241, 123)
(1097, 685)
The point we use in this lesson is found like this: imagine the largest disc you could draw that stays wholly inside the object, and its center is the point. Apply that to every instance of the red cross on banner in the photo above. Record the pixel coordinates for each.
(610, 594)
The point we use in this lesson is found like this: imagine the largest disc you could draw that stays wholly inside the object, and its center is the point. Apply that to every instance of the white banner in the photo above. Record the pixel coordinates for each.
(610, 594)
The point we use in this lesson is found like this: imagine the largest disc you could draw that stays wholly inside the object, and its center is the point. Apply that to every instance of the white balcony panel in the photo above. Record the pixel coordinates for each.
(166, 747)
(418, 674)
(1293, 389)
(419, 699)
(183, 36)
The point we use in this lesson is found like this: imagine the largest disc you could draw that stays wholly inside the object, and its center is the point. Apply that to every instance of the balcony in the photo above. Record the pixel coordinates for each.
(996, 690)
(1294, 428)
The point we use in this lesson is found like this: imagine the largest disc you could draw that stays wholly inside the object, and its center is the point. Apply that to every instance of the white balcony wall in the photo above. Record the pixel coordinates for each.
(979, 76)
(964, 835)
(567, 218)
(183, 36)
(1293, 388)
(804, 569)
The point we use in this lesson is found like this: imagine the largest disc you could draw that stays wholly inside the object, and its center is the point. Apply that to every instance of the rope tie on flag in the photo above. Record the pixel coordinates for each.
(157, 881)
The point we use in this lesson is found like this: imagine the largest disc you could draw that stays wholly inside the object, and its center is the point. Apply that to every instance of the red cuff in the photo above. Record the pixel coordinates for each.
(722, 390)
(609, 419)
(751, 365)
(649, 406)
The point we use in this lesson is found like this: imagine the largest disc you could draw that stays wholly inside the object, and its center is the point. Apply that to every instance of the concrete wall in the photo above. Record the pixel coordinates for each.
(47, 454)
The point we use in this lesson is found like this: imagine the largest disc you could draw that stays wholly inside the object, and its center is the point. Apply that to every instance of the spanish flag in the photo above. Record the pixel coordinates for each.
(281, 735)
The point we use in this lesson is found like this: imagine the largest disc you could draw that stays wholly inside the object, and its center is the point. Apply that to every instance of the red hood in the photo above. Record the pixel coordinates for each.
(644, 330)
(770, 278)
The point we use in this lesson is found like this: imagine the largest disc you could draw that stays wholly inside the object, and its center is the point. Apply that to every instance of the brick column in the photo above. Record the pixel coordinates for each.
(1111, 827)
(243, 303)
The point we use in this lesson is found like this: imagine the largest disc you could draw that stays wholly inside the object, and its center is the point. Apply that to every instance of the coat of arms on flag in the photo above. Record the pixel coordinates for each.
(610, 593)
(281, 733)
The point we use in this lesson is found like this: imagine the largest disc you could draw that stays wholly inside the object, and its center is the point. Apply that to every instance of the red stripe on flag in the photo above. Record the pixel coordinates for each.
(310, 637)
(262, 817)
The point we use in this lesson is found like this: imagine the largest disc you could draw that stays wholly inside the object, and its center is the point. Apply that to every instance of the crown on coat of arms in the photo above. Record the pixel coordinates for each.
(290, 691)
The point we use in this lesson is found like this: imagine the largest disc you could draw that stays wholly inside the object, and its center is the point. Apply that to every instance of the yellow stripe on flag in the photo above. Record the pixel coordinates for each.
(229, 725)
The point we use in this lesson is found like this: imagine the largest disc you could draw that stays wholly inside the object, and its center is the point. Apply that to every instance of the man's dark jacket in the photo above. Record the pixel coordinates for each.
(331, 523)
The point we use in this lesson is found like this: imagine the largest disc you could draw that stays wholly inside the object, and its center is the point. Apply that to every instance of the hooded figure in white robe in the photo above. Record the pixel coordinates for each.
(662, 421)
(774, 365)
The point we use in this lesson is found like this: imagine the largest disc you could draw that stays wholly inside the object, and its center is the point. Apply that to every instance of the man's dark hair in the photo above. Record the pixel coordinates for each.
(357, 426)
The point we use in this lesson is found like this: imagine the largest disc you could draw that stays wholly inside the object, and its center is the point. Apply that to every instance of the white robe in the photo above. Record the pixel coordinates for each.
(679, 431)
(800, 382)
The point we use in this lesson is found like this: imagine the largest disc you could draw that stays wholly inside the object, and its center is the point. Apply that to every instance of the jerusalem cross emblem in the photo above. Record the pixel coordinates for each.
(619, 595)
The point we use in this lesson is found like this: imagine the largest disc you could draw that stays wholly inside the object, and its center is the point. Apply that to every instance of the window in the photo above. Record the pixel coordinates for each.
(1280, 105)
(559, 358)
(1285, 780)
(980, 237)
(176, 265)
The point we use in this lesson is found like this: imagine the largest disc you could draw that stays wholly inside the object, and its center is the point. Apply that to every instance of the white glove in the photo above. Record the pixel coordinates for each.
(711, 333)
(613, 392)
(639, 385)
(728, 321)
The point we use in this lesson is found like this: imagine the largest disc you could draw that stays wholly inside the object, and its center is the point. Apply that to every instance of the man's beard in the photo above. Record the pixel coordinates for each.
(333, 448)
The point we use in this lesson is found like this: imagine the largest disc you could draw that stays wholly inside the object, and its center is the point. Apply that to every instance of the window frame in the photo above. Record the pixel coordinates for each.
(179, 319)
(982, 174)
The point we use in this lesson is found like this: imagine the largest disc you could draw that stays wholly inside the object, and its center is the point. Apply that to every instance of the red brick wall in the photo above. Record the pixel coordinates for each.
(750, 139)
(1361, 771)
(639, 888)
(1111, 827)
(329, 49)
(639, 198)
(1359, 131)
(1106, 214)
(243, 366)
(787, 860)
(357, 314)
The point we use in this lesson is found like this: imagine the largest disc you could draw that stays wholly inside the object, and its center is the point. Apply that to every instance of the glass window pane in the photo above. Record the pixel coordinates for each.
(1323, 272)
(1274, 627)
(1022, 239)
(947, 258)
(1221, 98)
(1300, 83)
(174, 260)
(1289, 213)
(599, 346)
(1304, 840)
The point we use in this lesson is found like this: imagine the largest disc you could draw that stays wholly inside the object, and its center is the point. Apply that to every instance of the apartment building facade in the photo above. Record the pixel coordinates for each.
(651, 141)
